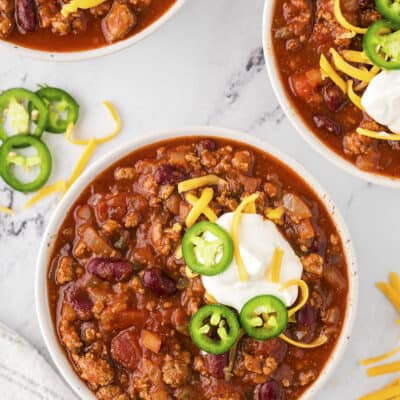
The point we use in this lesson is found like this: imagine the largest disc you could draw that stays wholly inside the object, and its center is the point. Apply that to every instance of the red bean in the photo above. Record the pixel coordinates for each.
(125, 349)
(271, 390)
(333, 97)
(164, 174)
(157, 281)
(306, 315)
(80, 301)
(324, 122)
(25, 15)
(110, 270)
(216, 364)
(206, 144)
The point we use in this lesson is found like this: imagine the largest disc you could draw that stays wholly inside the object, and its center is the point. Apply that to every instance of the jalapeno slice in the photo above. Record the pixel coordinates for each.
(264, 317)
(63, 108)
(207, 248)
(9, 158)
(214, 328)
(15, 102)
(390, 9)
(382, 44)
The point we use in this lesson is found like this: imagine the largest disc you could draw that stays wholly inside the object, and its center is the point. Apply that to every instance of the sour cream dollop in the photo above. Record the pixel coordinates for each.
(258, 239)
(381, 99)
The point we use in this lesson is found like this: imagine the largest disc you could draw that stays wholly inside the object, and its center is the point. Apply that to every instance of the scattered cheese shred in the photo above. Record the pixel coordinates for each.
(251, 208)
(321, 340)
(348, 69)
(384, 369)
(380, 358)
(343, 21)
(274, 269)
(237, 215)
(195, 183)
(59, 186)
(378, 135)
(7, 210)
(80, 166)
(329, 71)
(199, 207)
(390, 293)
(356, 57)
(394, 281)
(355, 99)
(210, 299)
(189, 273)
(274, 214)
(208, 212)
(383, 394)
(74, 5)
(112, 135)
(305, 293)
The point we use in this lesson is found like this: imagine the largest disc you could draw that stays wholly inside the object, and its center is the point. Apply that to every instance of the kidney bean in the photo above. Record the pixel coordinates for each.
(324, 122)
(206, 144)
(25, 15)
(333, 97)
(157, 281)
(306, 315)
(80, 301)
(271, 390)
(125, 349)
(164, 174)
(366, 4)
(216, 364)
(110, 270)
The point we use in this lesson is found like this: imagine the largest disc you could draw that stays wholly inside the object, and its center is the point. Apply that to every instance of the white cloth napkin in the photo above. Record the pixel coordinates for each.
(24, 373)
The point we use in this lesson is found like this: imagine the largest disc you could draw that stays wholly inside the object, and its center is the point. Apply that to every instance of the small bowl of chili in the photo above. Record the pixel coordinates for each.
(80, 29)
(147, 279)
(320, 65)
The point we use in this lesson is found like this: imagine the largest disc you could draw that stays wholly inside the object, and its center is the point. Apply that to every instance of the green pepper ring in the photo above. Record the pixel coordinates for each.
(386, 8)
(54, 123)
(189, 254)
(207, 343)
(372, 40)
(21, 94)
(42, 152)
(275, 305)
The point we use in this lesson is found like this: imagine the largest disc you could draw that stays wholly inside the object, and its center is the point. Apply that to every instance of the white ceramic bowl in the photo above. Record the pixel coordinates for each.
(295, 118)
(95, 53)
(41, 295)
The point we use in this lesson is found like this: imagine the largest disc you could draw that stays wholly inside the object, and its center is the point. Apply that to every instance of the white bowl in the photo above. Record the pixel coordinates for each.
(41, 294)
(296, 119)
(95, 53)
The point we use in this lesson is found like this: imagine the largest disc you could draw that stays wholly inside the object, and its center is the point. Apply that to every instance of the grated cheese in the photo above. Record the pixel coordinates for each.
(355, 99)
(378, 135)
(210, 299)
(189, 273)
(343, 21)
(75, 5)
(274, 214)
(380, 358)
(330, 72)
(274, 269)
(251, 208)
(321, 340)
(384, 369)
(390, 293)
(208, 212)
(383, 394)
(348, 69)
(199, 207)
(394, 281)
(243, 275)
(59, 186)
(7, 210)
(195, 183)
(305, 293)
(356, 56)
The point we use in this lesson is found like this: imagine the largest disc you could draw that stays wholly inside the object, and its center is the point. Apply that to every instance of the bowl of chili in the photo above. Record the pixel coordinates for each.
(93, 29)
(331, 124)
(229, 325)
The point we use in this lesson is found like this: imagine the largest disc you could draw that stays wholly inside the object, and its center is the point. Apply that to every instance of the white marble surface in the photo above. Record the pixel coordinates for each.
(203, 67)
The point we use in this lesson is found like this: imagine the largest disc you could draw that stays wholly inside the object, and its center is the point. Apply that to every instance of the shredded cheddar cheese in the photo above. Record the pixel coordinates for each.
(199, 207)
(237, 215)
(378, 135)
(384, 369)
(343, 21)
(74, 5)
(348, 69)
(321, 340)
(274, 214)
(355, 99)
(387, 393)
(59, 186)
(305, 293)
(356, 56)
(6, 210)
(390, 293)
(394, 281)
(251, 208)
(101, 140)
(208, 212)
(189, 273)
(330, 72)
(178, 253)
(380, 358)
(274, 269)
(210, 299)
(195, 183)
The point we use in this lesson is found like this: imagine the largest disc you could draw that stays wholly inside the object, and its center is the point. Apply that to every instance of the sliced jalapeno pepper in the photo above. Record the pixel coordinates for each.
(390, 9)
(207, 248)
(382, 44)
(214, 328)
(9, 158)
(264, 317)
(63, 108)
(16, 102)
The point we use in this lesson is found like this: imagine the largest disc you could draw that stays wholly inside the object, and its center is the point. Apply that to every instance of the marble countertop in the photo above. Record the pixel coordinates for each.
(204, 67)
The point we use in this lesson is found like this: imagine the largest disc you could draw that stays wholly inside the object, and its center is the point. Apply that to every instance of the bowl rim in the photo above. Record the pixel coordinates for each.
(296, 120)
(73, 56)
(41, 295)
